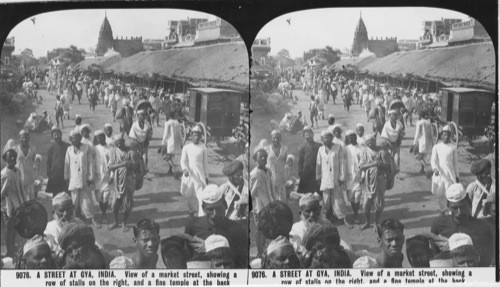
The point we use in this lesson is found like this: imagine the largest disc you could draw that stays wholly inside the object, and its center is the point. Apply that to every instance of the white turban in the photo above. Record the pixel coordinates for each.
(215, 241)
(211, 194)
(459, 239)
(455, 192)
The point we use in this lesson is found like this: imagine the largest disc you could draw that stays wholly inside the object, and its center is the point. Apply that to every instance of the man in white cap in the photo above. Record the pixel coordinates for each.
(84, 131)
(276, 160)
(463, 251)
(103, 187)
(394, 131)
(62, 213)
(26, 163)
(330, 172)
(194, 164)
(461, 221)
(79, 172)
(108, 131)
(310, 212)
(353, 172)
(336, 130)
(56, 155)
(308, 153)
(444, 163)
(172, 140)
(218, 250)
(215, 221)
(142, 132)
(36, 254)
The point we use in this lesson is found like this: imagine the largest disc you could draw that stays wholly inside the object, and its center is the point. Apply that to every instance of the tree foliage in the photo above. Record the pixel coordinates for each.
(329, 56)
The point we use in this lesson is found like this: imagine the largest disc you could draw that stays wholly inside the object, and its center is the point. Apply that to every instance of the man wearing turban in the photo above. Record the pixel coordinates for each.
(479, 190)
(215, 222)
(235, 191)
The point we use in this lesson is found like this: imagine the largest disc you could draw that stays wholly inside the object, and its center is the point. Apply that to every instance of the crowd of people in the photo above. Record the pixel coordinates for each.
(107, 167)
(358, 167)
(101, 169)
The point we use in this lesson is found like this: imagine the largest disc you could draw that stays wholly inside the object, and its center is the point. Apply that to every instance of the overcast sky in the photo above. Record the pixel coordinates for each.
(335, 26)
(81, 27)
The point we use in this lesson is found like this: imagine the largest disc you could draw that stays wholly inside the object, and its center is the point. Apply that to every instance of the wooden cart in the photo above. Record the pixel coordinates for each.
(218, 109)
(468, 111)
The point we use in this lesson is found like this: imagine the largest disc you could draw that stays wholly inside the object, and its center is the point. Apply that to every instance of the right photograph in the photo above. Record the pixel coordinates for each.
(373, 140)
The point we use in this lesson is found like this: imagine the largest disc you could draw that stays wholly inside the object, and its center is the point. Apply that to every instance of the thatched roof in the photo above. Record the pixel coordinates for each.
(220, 65)
(101, 62)
(468, 65)
(355, 63)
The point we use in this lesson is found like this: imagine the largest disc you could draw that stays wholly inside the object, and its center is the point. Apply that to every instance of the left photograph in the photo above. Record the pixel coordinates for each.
(124, 139)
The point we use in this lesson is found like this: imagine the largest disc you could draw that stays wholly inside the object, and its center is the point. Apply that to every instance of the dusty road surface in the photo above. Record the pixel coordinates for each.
(410, 201)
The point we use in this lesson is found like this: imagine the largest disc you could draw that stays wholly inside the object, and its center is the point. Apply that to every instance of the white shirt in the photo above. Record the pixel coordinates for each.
(139, 134)
(194, 159)
(330, 166)
(172, 136)
(276, 163)
(390, 133)
(102, 173)
(353, 174)
(78, 166)
(445, 159)
(423, 136)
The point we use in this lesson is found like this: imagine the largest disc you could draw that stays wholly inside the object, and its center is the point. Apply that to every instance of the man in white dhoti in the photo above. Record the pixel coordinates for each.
(353, 172)
(444, 163)
(79, 172)
(194, 164)
(103, 187)
(276, 162)
(172, 141)
(330, 172)
(423, 141)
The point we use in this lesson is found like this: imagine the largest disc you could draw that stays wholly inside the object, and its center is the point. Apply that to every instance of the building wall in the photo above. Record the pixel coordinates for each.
(382, 48)
(128, 47)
